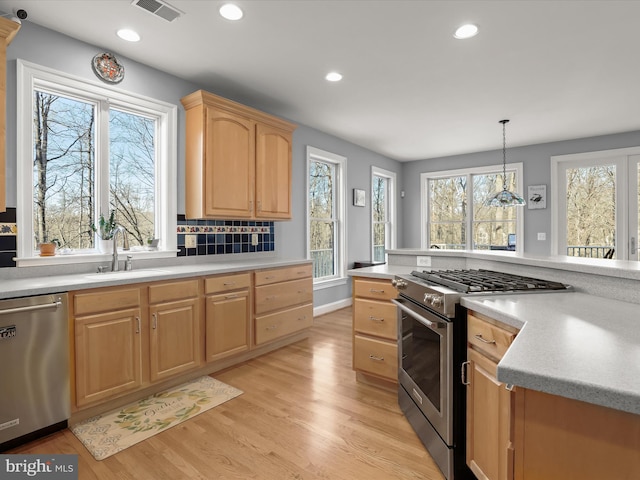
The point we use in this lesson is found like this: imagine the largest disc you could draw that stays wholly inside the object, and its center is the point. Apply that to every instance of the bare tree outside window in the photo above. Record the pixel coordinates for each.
(591, 211)
(491, 225)
(380, 210)
(65, 171)
(322, 222)
(448, 212)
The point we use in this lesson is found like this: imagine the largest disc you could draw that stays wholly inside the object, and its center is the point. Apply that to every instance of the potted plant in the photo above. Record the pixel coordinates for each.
(48, 248)
(105, 230)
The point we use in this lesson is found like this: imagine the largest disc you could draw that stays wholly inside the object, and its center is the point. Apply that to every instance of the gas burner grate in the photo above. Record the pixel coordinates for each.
(470, 281)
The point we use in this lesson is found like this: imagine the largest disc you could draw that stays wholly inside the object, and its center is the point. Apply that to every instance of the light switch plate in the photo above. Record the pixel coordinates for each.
(424, 261)
(254, 239)
(542, 236)
(190, 241)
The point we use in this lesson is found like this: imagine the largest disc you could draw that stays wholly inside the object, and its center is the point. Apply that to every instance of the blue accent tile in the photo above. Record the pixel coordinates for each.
(181, 239)
(237, 238)
(228, 238)
(191, 252)
(8, 243)
(6, 259)
(245, 248)
(228, 248)
(211, 239)
(236, 248)
(202, 249)
(211, 249)
(202, 239)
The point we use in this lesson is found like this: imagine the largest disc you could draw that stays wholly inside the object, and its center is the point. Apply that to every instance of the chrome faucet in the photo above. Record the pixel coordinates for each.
(115, 266)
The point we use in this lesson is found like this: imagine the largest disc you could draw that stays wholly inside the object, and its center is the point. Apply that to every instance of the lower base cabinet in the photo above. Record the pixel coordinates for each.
(108, 343)
(557, 438)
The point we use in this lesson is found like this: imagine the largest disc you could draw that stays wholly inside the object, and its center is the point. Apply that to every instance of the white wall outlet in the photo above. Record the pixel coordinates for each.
(542, 236)
(254, 239)
(424, 261)
(190, 241)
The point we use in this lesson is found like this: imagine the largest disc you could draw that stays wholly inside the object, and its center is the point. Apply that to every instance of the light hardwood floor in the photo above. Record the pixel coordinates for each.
(302, 416)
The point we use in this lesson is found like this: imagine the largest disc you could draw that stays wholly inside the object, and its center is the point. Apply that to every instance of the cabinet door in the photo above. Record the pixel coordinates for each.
(227, 325)
(174, 345)
(273, 172)
(229, 165)
(489, 450)
(108, 361)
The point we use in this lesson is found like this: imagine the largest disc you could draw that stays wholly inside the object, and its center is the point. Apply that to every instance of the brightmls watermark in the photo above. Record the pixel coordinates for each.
(49, 467)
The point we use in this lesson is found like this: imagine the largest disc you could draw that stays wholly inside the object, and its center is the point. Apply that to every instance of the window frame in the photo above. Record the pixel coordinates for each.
(516, 168)
(340, 243)
(31, 76)
(391, 213)
(626, 188)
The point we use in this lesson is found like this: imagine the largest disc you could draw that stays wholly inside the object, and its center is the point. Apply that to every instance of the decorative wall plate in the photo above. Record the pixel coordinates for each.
(107, 68)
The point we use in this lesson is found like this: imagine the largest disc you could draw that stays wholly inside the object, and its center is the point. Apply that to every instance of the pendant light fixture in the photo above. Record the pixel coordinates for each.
(505, 198)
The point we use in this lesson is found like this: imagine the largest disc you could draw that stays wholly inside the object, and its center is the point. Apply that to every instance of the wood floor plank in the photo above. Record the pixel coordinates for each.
(302, 417)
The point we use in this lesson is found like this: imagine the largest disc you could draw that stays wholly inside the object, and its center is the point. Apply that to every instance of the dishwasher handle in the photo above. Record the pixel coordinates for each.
(31, 308)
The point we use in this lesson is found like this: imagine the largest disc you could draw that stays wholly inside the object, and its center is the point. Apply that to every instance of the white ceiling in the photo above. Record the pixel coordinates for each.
(557, 69)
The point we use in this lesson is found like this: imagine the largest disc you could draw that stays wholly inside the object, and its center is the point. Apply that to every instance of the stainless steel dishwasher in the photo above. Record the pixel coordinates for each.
(34, 368)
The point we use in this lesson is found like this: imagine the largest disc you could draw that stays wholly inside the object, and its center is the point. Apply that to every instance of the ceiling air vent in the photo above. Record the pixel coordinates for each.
(159, 9)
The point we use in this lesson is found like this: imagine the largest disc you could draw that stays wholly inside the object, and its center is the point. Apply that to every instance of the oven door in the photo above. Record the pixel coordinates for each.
(425, 363)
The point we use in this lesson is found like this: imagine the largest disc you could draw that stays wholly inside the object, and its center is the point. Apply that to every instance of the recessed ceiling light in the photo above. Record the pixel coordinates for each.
(231, 11)
(333, 77)
(128, 35)
(466, 31)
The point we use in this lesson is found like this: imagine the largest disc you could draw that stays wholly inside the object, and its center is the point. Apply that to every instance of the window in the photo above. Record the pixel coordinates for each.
(85, 151)
(383, 212)
(326, 214)
(456, 217)
(598, 204)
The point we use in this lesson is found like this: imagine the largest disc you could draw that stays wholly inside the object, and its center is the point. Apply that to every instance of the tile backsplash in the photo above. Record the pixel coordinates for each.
(221, 237)
(8, 238)
(213, 237)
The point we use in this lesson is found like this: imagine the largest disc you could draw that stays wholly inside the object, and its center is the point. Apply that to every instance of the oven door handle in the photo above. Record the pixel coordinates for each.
(417, 316)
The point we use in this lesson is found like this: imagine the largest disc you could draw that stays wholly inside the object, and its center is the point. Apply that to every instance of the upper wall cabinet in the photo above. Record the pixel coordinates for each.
(238, 160)
(8, 30)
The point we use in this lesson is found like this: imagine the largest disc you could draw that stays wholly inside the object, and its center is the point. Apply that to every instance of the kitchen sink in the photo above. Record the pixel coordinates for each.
(126, 274)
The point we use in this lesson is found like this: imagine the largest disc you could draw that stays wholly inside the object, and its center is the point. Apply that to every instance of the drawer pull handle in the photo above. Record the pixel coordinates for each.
(155, 321)
(269, 277)
(479, 337)
(304, 317)
(374, 319)
(270, 297)
(137, 324)
(302, 272)
(230, 284)
(271, 327)
(377, 359)
(229, 297)
(300, 292)
(373, 290)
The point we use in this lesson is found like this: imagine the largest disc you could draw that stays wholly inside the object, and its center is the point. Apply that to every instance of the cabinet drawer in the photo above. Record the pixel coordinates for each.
(376, 318)
(170, 291)
(488, 338)
(282, 295)
(105, 300)
(276, 325)
(225, 283)
(266, 277)
(377, 357)
(377, 289)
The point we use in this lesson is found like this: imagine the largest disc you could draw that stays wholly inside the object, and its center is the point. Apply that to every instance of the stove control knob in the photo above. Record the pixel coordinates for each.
(399, 283)
(428, 297)
(436, 301)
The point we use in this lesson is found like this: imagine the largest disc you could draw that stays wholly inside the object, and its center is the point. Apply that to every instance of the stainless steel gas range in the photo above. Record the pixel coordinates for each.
(432, 348)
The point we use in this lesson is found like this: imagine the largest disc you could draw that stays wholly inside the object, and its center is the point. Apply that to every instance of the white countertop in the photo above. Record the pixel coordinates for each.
(570, 344)
(380, 271)
(41, 285)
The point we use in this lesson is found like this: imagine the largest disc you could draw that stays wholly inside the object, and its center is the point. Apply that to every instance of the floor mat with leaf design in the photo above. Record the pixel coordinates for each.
(114, 431)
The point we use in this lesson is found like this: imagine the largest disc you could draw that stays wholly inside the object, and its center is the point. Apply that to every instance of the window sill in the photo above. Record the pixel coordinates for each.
(334, 282)
(78, 258)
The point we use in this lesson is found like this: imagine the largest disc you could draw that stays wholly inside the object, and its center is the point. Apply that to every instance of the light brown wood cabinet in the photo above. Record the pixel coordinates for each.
(108, 343)
(174, 314)
(8, 30)
(490, 450)
(283, 302)
(227, 315)
(152, 333)
(375, 330)
(238, 160)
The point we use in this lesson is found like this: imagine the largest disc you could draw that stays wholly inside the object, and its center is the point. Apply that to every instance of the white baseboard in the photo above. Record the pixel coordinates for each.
(332, 307)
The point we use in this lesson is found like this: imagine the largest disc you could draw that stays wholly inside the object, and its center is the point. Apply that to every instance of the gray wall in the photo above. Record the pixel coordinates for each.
(50, 49)
(537, 171)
